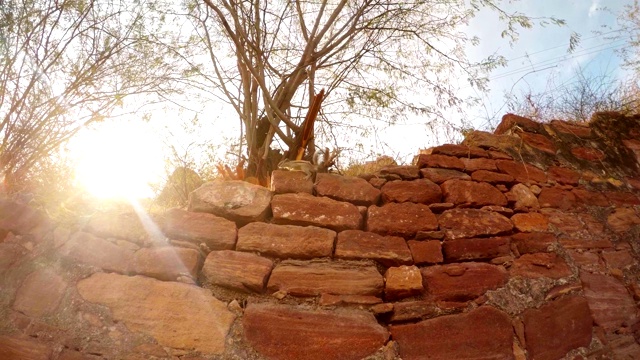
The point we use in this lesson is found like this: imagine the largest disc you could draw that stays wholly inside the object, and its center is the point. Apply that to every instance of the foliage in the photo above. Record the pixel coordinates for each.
(375, 59)
(66, 64)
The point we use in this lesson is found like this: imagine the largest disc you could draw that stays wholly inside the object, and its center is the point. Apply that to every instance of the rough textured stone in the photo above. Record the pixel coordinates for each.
(539, 142)
(216, 232)
(587, 153)
(236, 270)
(491, 177)
(283, 332)
(125, 225)
(523, 173)
(283, 182)
(618, 259)
(511, 121)
(400, 219)
(332, 300)
(492, 142)
(314, 278)
(413, 310)
(167, 262)
(462, 282)
(304, 210)
(530, 222)
(347, 188)
(236, 200)
(523, 198)
(461, 151)
(406, 172)
(468, 223)
(89, 249)
(610, 303)
(387, 250)
(426, 252)
(540, 265)
(472, 165)
(19, 218)
(439, 161)
(534, 242)
(563, 175)
(286, 241)
(476, 249)
(11, 254)
(575, 129)
(170, 312)
(401, 282)
(483, 333)
(470, 193)
(590, 198)
(23, 348)
(439, 176)
(623, 219)
(418, 191)
(556, 198)
(40, 293)
(558, 327)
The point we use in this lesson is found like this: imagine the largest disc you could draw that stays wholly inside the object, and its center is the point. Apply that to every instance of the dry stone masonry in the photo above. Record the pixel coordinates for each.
(518, 244)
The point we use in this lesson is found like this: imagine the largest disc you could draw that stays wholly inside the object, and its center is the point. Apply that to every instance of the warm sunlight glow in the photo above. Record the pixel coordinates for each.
(118, 159)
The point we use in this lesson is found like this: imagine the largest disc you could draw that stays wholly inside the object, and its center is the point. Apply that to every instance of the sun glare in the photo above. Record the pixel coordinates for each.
(118, 160)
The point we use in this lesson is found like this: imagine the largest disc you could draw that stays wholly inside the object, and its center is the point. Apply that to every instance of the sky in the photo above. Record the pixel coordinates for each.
(538, 55)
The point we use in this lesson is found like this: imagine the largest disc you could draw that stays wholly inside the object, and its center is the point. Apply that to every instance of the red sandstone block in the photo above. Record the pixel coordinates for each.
(534, 242)
(471, 165)
(510, 120)
(610, 303)
(491, 177)
(462, 282)
(523, 173)
(590, 198)
(351, 189)
(440, 161)
(439, 176)
(577, 130)
(469, 223)
(563, 175)
(558, 327)
(540, 265)
(304, 209)
(461, 151)
(237, 270)
(539, 142)
(426, 252)
(586, 153)
(387, 250)
(530, 222)
(400, 219)
(476, 249)
(556, 198)
(422, 191)
(286, 241)
(470, 193)
(402, 282)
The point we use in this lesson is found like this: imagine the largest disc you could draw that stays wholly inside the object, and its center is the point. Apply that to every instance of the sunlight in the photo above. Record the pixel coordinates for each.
(118, 159)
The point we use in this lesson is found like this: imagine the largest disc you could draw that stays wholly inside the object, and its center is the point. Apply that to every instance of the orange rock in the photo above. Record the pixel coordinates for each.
(401, 282)
(351, 189)
(530, 222)
(471, 193)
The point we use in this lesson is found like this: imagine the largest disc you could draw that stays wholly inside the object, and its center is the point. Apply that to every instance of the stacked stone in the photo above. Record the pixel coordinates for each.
(521, 244)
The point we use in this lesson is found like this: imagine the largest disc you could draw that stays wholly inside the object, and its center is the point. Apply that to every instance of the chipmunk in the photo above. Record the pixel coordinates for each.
(310, 168)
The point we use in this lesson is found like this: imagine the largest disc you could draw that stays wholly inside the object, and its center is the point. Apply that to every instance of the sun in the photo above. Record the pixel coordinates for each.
(118, 159)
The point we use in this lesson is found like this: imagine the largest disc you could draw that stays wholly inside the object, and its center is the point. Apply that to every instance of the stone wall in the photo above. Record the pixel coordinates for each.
(521, 244)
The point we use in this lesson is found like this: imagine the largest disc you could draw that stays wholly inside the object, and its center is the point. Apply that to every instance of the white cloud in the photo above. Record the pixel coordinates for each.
(593, 9)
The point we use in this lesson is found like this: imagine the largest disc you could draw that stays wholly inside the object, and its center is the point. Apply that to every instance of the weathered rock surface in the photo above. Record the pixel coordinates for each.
(439, 161)
(558, 327)
(283, 332)
(91, 250)
(400, 219)
(610, 303)
(347, 188)
(125, 225)
(540, 265)
(422, 191)
(23, 348)
(524, 199)
(387, 250)
(40, 293)
(469, 223)
(530, 222)
(283, 182)
(462, 282)
(167, 262)
(522, 173)
(534, 242)
(439, 176)
(426, 252)
(623, 219)
(413, 310)
(317, 277)
(172, 313)
(236, 270)
(305, 209)
(491, 177)
(475, 249)
(216, 232)
(461, 151)
(286, 241)
(402, 281)
(483, 333)
(236, 200)
(19, 218)
(470, 193)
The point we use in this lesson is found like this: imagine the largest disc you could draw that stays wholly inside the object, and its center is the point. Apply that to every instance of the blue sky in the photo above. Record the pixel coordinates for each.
(541, 52)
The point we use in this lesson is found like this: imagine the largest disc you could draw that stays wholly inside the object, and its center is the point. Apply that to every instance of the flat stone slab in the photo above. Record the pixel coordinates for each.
(23, 348)
(558, 327)
(285, 332)
(469, 223)
(286, 241)
(538, 265)
(387, 250)
(92, 250)
(610, 303)
(421, 191)
(352, 189)
(471, 193)
(304, 210)
(216, 232)
(237, 270)
(236, 200)
(172, 313)
(476, 249)
(40, 293)
(313, 278)
(483, 333)
(462, 282)
(126, 225)
(400, 219)
(167, 262)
